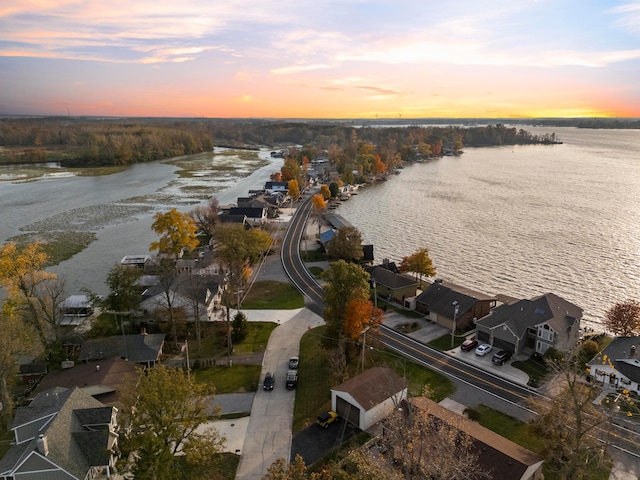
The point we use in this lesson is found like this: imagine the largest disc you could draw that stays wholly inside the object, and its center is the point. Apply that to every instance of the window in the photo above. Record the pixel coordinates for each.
(546, 333)
(542, 347)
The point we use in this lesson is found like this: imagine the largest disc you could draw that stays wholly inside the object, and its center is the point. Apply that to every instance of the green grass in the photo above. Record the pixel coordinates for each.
(313, 390)
(238, 378)
(272, 295)
(316, 271)
(536, 370)
(443, 343)
(310, 256)
(256, 339)
(59, 246)
(402, 311)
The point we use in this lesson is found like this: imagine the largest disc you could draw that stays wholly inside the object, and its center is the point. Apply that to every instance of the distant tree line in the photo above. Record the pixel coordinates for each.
(86, 141)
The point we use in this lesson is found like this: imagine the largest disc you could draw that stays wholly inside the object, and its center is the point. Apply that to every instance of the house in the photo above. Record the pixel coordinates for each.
(538, 324)
(64, 434)
(447, 303)
(392, 286)
(499, 457)
(75, 310)
(254, 214)
(32, 372)
(142, 348)
(274, 186)
(369, 397)
(103, 380)
(618, 365)
(138, 261)
(196, 295)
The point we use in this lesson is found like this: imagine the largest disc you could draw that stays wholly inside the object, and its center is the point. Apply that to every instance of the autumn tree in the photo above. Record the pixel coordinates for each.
(177, 232)
(295, 470)
(23, 276)
(570, 423)
(419, 263)
(623, 319)
(290, 169)
(378, 164)
(294, 189)
(17, 339)
(344, 282)
(346, 245)
(318, 209)
(163, 411)
(360, 314)
(325, 192)
(206, 216)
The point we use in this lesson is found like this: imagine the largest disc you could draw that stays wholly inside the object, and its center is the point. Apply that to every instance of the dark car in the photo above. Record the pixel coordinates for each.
(501, 357)
(292, 379)
(269, 381)
(468, 345)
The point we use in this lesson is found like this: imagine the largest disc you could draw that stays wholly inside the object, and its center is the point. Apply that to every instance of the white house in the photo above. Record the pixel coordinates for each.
(369, 397)
(618, 365)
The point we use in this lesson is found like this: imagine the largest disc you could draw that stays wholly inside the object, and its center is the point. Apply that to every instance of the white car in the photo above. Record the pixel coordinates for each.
(483, 349)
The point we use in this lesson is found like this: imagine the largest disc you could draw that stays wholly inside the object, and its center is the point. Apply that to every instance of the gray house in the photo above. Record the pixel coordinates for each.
(64, 434)
(538, 324)
(618, 365)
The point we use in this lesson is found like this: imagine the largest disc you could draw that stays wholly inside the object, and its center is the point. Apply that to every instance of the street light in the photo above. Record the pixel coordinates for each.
(375, 293)
(453, 327)
(364, 341)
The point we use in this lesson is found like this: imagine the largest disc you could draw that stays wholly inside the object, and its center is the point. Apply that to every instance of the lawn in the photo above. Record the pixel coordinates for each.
(537, 370)
(313, 390)
(443, 343)
(272, 295)
(256, 339)
(238, 378)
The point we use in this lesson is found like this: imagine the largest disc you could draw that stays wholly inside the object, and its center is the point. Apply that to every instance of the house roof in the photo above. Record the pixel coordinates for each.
(138, 348)
(497, 455)
(337, 221)
(72, 446)
(373, 386)
(105, 382)
(549, 308)
(76, 301)
(327, 235)
(393, 281)
(367, 250)
(619, 352)
(441, 297)
(249, 212)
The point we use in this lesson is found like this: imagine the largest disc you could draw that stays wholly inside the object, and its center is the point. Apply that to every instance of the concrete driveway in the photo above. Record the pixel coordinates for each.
(268, 435)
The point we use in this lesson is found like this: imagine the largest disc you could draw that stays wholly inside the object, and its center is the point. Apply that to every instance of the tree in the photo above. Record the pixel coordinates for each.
(346, 245)
(360, 314)
(206, 216)
(570, 422)
(16, 339)
(22, 274)
(290, 169)
(124, 293)
(318, 209)
(419, 263)
(344, 282)
(177, 232)
(240, 327)
(623, 319)
(296, 470)
(294, 189)
(325, 192)
(162, 410)
(334, 189)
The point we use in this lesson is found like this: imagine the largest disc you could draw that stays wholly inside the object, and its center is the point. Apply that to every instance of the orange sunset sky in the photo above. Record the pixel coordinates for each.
(320, 58)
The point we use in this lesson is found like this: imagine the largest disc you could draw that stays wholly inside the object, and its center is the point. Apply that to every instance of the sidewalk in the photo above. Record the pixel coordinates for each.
(268, 435)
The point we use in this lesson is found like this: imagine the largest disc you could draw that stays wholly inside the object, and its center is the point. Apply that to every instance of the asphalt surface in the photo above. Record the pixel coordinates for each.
(314, 442)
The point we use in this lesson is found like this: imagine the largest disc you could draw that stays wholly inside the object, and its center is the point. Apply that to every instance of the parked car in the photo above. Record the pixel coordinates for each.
(269, 381)
(293, 363)
(292, 379)
(327, 418)
(483, 349)
(501, 357)
(468, 345)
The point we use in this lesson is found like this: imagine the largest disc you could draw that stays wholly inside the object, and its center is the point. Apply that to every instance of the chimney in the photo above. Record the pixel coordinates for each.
(42, 445)
(632, 351)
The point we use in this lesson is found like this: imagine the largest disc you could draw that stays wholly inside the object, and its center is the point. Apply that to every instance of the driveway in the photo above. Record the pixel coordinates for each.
(314, 442)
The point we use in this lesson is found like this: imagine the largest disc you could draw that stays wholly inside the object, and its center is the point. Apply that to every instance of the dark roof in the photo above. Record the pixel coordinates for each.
(250, 212)
(140, 348)
(228, 218)
(103, 383)
(392, 280)
(32, 369)
(498, 456)
(441, 296)
(368, 253)
(559, 313)
(619, 352)
(337, 221)
(373, 386)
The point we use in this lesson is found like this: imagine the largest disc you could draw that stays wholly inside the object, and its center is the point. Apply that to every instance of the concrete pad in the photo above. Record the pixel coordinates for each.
(234, 431)
(275, 316)
(505, 371)
(454, 406)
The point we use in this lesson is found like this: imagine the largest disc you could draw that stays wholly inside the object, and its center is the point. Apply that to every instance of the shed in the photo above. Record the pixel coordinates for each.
(366, 399)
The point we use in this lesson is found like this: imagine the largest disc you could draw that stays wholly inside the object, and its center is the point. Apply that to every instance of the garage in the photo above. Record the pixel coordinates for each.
(366, 399)
(348, 411)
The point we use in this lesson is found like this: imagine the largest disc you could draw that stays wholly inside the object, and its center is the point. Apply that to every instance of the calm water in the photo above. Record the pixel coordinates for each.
(520, 220)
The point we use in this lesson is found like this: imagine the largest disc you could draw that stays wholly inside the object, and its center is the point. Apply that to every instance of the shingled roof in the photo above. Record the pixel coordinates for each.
(442, 296)
(138, 348)
(373, 386)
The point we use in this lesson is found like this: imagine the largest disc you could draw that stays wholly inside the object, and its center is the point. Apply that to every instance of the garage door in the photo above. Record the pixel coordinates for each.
(349, 412)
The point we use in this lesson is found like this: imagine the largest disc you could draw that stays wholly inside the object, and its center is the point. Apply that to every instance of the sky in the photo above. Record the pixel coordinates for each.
(320, 58)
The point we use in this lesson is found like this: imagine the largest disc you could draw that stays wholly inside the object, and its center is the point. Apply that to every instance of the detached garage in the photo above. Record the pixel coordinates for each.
(368, 398)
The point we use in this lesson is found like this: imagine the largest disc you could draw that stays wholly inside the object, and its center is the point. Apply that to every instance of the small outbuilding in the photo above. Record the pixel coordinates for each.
(366, 399)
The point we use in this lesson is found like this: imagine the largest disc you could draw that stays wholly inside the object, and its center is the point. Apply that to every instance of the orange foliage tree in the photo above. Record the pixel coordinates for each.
(360, 314)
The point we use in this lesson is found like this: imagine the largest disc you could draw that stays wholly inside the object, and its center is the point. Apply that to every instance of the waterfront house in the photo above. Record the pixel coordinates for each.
(367, 398)
(391, 286)
(75, 310)
(274, 186)
(141, 348)
(254, 214)
(546, 321)
(63, 434)
(446, 303)
(618, 365)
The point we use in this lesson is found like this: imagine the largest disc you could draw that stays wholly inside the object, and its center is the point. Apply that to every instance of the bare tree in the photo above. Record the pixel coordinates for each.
(623, 318)
(207, 216)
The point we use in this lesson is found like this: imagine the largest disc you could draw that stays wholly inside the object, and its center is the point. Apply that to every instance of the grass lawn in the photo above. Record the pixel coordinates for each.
(316, 271)
(536, 370)
(443, 343)
(313, 390)
(238, 378)
(272, 295)
(256, 339)
(310, 256)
